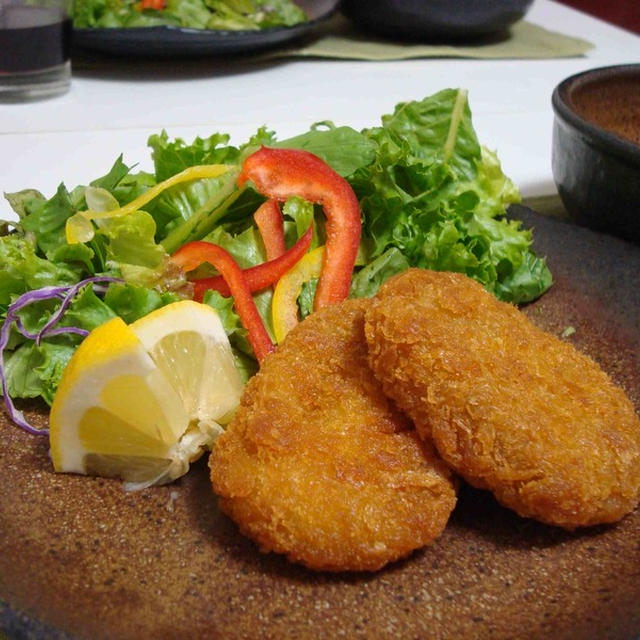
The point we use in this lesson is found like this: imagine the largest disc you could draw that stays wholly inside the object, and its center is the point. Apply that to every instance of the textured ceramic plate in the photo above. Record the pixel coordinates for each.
(80, 558)
(172, 42)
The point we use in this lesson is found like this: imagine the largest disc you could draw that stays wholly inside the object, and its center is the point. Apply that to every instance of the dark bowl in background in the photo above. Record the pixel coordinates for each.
(596, 148)
(435, 19)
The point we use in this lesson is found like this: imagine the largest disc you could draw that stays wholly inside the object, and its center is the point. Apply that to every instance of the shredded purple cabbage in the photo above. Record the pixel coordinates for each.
(65, 295)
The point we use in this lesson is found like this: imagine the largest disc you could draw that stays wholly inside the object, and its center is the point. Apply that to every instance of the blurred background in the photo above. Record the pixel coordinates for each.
(623, 13)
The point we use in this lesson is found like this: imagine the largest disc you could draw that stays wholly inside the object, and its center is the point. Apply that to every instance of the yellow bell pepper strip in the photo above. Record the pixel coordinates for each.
(79, 228)
(269, 222)
(281, 173)
(284, 304)
(193, 254)
(260, 276)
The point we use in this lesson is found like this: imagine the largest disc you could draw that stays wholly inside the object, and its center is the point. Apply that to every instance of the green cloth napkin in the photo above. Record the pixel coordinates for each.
(339, 39)
(550, 205)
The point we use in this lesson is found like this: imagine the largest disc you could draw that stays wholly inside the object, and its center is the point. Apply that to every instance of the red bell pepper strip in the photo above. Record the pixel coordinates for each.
(158, 5)
(193, 254)
(281, 173)
(269, 221)
(260, 276)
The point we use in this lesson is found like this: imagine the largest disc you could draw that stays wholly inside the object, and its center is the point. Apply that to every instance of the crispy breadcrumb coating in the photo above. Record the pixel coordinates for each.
(317, 463)
(509, 407)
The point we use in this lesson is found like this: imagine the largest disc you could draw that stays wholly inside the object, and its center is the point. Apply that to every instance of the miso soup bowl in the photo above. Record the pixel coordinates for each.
(596, 148)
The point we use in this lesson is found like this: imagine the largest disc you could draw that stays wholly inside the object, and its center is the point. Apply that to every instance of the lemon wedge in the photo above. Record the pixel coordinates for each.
(143, 401)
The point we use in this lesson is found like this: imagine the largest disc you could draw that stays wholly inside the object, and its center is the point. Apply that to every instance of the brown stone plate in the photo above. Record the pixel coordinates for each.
(81, 558)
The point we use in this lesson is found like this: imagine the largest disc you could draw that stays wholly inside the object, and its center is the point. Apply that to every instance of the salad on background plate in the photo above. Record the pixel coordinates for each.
(176, 28)
(225, 15)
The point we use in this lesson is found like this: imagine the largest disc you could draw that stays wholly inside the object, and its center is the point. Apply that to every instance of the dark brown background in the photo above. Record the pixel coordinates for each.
(623, 13)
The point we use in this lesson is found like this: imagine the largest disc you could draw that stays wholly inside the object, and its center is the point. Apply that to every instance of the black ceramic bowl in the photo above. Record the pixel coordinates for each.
(596, 148)
(435, 19)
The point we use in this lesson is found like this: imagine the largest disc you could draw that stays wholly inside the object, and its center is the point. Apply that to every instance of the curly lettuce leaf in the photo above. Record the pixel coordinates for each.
(46, 219)
(131, 240)
(244, 360)
(195, 14)
(132, 302)
(344, 149)
(20, 200)
(435, 194)
(23, 269)
(171, 156)
(186, 13)
(34, 370)
(368, 279)
(253, 14)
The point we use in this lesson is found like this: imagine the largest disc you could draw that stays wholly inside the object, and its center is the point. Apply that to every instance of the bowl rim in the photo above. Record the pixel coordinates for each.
(602, 138)
(434, 21)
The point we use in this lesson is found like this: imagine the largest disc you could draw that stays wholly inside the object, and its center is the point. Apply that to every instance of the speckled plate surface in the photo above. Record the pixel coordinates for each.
(80, 558)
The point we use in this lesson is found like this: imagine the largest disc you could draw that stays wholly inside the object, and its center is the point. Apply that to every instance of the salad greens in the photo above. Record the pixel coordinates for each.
(431, 196)
(232, 15)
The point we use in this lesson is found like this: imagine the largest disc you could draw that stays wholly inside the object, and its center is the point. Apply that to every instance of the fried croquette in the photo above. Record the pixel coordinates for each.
(317, 463)
(509, 407)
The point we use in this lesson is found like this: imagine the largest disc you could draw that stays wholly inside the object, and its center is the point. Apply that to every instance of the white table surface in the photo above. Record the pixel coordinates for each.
(75, 137)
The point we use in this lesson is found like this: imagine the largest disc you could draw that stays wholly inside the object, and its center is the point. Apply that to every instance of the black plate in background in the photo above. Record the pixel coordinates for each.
(172, 42)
